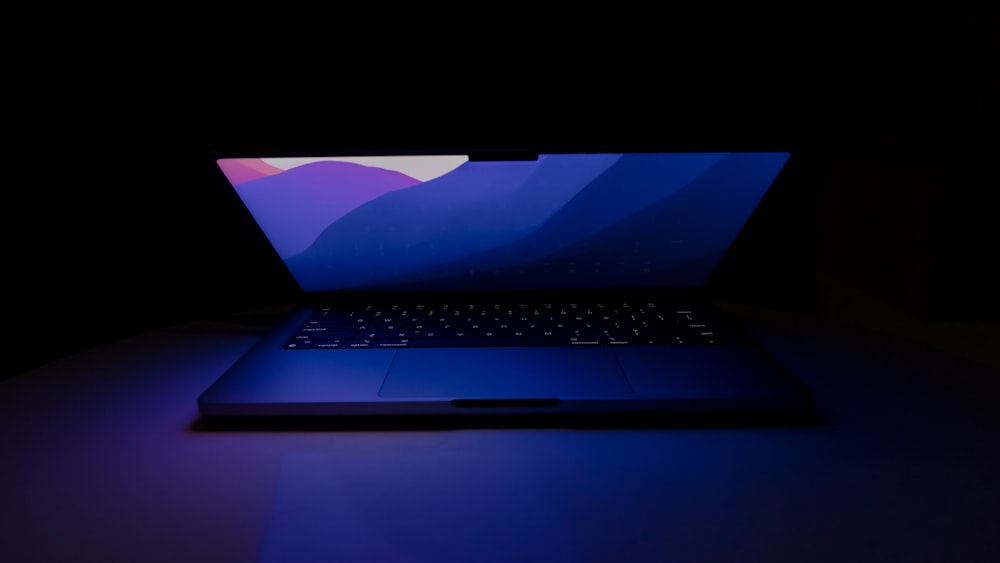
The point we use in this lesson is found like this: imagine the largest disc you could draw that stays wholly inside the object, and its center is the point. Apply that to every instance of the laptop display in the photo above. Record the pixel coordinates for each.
(561, 221)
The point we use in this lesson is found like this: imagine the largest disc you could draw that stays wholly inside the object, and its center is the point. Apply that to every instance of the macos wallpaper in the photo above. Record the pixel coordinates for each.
(638, 220)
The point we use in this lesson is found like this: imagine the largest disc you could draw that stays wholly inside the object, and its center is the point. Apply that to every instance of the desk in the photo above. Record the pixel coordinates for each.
(104, 460)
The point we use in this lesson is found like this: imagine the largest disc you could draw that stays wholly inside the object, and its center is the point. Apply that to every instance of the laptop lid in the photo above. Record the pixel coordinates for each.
(588, 221)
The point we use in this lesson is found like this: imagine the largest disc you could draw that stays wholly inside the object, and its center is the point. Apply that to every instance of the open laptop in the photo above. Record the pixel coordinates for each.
(503, 284)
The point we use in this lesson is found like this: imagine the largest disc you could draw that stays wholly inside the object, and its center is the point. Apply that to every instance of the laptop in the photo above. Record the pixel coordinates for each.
(462, 285)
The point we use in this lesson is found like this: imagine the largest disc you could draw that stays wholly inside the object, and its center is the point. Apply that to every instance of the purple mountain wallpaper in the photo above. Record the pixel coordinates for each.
(562, 221)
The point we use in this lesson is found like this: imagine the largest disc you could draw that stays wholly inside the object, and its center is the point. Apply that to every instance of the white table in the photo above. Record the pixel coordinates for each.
(104, 460)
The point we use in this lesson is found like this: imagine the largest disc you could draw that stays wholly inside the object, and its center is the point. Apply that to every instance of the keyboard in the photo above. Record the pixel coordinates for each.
(507, 324)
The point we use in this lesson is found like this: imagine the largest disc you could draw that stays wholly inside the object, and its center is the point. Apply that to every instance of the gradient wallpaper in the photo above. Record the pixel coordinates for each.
(641, 220)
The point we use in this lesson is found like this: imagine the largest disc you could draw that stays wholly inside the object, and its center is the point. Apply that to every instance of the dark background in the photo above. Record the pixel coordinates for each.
(117, 221)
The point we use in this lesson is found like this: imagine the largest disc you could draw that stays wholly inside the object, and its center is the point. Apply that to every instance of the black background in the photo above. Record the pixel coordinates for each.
(117, 222)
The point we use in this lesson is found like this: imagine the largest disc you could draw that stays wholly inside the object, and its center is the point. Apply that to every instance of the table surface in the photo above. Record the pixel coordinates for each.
(105, 460)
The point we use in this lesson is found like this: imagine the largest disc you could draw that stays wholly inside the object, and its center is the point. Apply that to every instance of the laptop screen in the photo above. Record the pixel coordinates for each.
(449, 222)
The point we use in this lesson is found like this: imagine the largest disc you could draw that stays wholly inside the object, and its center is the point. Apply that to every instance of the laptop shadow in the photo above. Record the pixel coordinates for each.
(609, 421)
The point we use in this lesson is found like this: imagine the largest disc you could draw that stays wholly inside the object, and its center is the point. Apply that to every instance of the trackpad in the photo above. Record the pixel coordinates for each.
(505, 372)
